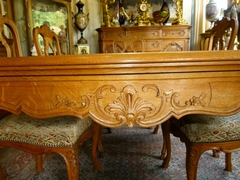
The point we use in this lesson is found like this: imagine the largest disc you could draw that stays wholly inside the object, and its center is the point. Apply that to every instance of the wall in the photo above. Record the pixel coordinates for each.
(93, 8)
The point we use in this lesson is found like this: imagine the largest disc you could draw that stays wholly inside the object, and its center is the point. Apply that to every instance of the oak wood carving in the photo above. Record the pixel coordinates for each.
(115, 89)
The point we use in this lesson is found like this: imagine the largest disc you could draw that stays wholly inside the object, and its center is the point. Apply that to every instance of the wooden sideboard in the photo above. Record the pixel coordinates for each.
(144, 38)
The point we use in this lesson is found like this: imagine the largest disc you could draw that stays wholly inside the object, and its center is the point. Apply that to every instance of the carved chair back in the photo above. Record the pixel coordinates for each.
(14, 39)
(50, 39)
(223, 34)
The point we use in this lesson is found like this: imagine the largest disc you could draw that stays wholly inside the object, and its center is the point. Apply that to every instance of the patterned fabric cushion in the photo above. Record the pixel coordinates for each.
(206, 129)
(55, 132)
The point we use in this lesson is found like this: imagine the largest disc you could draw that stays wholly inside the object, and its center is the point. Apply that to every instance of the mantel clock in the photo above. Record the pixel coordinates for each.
(143, 19)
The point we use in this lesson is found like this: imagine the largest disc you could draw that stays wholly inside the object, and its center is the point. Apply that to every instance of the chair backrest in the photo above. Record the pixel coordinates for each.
(218, 34)
(50, 40)
(16, 50)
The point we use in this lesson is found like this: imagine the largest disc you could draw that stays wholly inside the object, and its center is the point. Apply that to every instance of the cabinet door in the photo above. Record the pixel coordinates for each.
(28, 14)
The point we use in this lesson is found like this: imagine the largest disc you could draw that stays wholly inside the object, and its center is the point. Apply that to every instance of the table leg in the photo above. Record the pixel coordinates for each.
(166, 144)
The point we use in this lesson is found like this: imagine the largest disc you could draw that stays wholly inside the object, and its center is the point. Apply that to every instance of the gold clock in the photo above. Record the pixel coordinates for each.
(143, 7)
(143, 18)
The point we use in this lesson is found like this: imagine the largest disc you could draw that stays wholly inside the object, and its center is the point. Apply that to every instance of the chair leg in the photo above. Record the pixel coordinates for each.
(72, 162)
(166, 144)
(97, 129)
(156, 130)
(164, 151)
(228, 162)
(39, 164)
(100, 147)
(109, 130)
(192, 158)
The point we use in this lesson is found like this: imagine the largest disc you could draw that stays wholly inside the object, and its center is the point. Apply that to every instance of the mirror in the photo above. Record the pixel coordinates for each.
(55, 15)
(28, 14)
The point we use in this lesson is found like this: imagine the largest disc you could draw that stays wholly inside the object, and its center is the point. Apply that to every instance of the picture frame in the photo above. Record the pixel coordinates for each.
(82, 49)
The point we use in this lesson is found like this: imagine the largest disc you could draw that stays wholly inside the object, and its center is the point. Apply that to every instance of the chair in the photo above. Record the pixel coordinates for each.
(219, 37)
(205, 132)
(61, 135)
(50, 40)
(219, 33)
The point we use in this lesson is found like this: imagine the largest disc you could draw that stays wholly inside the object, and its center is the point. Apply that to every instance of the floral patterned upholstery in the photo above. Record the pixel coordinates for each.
(206, 129)
(55, 132)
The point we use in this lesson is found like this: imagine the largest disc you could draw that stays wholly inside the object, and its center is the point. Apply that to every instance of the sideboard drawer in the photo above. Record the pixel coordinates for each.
(144, 38)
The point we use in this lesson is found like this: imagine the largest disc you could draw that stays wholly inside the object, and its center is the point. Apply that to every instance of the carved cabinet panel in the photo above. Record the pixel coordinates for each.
(144, 38)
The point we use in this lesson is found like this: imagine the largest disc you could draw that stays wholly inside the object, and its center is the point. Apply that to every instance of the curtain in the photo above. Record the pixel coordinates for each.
(200, 23)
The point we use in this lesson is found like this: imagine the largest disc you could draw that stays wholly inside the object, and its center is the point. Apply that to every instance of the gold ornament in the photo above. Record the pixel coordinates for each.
(143, 18)
(179, 13)
(107, 17)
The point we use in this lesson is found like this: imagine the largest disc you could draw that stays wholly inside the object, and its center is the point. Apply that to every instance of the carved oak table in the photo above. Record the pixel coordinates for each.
(117, 89)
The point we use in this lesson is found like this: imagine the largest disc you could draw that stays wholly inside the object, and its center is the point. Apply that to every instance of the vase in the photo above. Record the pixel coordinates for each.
(163, 14)
(213, 12)
(81, 21)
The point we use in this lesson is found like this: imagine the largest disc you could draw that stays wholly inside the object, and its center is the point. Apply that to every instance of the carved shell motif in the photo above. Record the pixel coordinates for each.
(129, 107)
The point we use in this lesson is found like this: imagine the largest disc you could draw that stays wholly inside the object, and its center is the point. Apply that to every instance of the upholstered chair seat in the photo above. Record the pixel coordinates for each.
(61, 135)
(53, 132)
(207, 129)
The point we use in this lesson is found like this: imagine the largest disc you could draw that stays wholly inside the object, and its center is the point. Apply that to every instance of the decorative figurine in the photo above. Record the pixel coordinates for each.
(163, 14)
(124, 19)
(107, 19)
(179, 13)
